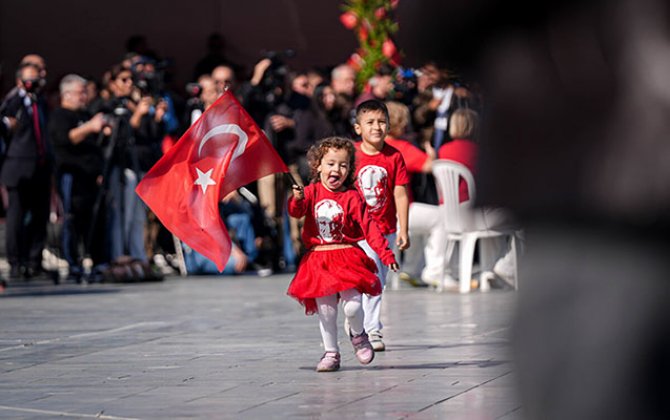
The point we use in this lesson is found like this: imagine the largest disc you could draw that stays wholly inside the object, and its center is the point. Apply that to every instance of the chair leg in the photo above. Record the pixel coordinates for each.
(484, 277)
(467, 251)
(488, 252)
(451, 244)
(515, 258)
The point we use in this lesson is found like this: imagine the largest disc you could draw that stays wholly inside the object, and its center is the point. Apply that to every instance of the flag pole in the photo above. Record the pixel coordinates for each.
(293, 181)
(181, 262)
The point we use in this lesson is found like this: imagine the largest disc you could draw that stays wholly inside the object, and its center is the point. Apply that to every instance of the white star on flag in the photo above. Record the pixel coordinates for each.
(204, 179)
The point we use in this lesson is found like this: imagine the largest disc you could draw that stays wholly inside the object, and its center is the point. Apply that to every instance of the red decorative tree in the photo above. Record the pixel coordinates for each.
(373, 24)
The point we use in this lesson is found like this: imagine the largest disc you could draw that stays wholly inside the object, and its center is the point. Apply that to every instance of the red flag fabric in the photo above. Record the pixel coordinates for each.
(222, 151)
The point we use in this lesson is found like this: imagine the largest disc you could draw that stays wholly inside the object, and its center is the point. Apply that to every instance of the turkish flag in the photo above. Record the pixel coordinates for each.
(222, 151)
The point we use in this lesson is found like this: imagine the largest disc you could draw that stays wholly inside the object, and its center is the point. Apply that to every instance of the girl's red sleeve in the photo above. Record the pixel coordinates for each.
(298, 208)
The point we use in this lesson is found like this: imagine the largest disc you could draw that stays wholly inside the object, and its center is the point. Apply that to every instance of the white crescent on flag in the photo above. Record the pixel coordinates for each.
(205, 177)
(225, 129)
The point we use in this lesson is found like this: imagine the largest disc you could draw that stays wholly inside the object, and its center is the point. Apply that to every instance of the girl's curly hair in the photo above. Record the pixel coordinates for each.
(316, 153)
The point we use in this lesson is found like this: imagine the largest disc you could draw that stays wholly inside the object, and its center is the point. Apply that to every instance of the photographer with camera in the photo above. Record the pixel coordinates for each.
(134, 146)
(271, 97)
(224, 78)
(267, 87)
(26, 172)
(74, 134)
(38, 62)
(202, 95)
(149, 77)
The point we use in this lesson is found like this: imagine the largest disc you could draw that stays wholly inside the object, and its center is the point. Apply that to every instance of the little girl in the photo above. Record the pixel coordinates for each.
(334, 266)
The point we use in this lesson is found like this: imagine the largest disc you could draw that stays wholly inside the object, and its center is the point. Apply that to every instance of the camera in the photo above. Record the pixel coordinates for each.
(32, 85)
(193, 90)
(405, 85)
(149, 75)
(274, 79)
(112, 116)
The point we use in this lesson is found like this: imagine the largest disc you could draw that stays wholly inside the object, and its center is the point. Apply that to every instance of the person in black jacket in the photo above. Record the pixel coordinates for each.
(138, 131)
(26, 173)
(79, 162)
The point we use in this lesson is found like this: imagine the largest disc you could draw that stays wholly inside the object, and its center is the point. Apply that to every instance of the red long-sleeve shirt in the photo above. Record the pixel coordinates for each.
(337, 218)
(376, 178)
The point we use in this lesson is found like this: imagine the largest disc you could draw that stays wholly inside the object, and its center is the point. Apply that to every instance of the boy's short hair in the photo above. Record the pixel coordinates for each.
(371, 105)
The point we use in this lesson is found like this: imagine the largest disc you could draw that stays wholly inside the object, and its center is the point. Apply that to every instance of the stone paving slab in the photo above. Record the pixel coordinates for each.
(238, 347)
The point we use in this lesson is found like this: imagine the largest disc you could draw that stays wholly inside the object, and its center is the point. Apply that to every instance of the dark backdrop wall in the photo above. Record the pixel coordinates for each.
(87, 37)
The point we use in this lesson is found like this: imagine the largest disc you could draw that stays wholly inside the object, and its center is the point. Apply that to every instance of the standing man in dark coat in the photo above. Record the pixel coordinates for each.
(26, 172)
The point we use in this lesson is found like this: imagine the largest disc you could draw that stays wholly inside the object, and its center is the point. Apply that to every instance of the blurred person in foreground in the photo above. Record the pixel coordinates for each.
(575, 143)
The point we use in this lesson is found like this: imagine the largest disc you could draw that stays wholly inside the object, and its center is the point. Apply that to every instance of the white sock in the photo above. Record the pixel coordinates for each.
(327, 307)
(353, 309)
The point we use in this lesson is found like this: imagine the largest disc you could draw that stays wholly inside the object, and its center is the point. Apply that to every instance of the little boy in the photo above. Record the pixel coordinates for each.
(381, 178)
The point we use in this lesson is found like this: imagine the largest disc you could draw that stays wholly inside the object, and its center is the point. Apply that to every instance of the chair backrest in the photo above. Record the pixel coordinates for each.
(448, 175)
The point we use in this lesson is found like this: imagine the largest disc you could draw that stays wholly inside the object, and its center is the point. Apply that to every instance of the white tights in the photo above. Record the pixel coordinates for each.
(353, 310)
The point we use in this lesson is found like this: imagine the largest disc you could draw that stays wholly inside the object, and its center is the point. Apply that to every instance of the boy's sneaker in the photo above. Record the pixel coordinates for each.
(330, 362)
(362, 348)
(412, 281)
(376, 341)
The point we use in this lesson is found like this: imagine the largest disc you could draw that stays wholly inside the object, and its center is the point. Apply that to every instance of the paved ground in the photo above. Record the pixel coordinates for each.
(215, 348)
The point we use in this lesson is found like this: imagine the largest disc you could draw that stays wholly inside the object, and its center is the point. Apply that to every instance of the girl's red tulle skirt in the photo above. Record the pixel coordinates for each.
(324, 273)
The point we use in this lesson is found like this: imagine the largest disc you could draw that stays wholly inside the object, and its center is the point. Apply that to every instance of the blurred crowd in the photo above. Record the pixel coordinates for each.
(73, 154)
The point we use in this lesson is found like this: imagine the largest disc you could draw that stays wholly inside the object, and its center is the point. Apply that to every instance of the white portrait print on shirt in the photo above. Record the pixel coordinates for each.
(372, 181)
(329, 219)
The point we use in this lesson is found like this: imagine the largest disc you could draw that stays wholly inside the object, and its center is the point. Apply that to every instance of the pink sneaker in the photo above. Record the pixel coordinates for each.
(330, 362)
(363, 348)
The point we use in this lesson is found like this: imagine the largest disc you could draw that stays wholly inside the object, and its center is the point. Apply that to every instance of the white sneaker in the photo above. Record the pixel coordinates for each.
(504, 268)
(449, 284)
(376, 341)
(431, 282)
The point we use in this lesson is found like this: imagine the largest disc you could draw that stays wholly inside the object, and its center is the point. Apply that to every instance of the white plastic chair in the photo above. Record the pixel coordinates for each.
(456, 217)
